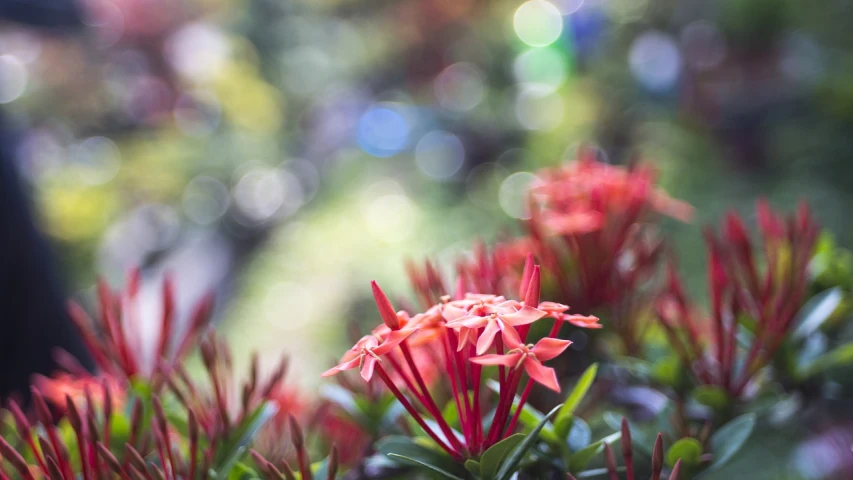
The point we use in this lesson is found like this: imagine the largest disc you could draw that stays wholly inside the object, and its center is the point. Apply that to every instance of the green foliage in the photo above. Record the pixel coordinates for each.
(688, 450)
(729, 439)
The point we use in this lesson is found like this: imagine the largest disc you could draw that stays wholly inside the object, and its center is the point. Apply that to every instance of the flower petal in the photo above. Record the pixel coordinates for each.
(549, 348)
(525, 316)
(492, 359)
(452, 312)
(347, 365)
(541, 374)
(394, 338)
(487, 338)
(583, 321)
(367, 368)
(510, 336)
(553, 307)
(472, 322)
(467, 336)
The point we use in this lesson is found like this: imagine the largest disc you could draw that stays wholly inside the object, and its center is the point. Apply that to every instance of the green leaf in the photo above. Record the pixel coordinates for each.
(579, 435)
(573, 400)
(726, 441)
(668, 370)
(473, 466)
(494, 456)
(432, 468)
(241, 437)
(417, 449)
(596, 472)
(712, 396)
(241, 471)
(816, 311)
(579, 459)
(838, 357)
(687, 449)
(509, 465)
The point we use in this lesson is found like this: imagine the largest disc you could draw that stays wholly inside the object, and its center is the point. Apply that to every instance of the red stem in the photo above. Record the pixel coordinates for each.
(527, 388)
(413, 412)
(430, 405)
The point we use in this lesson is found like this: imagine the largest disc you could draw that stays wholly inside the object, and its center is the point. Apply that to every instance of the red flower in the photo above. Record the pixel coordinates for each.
(491, 313)
(367, 351)
(530, 357)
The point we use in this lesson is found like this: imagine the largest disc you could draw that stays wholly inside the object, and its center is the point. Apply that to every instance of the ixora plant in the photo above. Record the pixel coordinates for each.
(474, 387)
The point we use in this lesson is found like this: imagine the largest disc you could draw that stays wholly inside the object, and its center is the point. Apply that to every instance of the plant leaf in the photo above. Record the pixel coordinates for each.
(235, 447)
(579, 436)
(579, 459)
(495, 455)
(712, 396)
(840, 356)
(517, 454)
(687, 449)
(407, 447)
(573, 400)
(726, 441)
(816, 311)
(432, 468)
(473, 466)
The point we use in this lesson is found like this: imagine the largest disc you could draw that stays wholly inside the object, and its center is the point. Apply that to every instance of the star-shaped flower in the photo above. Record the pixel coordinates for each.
(468, 319)
(529, 356)
(368, 351)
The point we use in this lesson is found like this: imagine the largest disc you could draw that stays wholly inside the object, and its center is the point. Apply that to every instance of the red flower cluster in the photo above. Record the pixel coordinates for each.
(462, 335)
(587, 229)
(743, 295)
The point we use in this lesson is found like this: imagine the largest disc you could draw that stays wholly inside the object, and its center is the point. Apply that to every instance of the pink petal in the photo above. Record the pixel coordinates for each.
(473, 322)
(347, 365)
(492, 359)
(553, 307)
(394, 338)
(452, 312)
(583, 321)
(541, 374)
(510, 336)
(487, 338)
(549, 348)
(467, 336)
(525, 316)
(367, 368)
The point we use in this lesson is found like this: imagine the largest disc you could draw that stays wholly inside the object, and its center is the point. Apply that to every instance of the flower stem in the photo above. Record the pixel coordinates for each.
(413, 412)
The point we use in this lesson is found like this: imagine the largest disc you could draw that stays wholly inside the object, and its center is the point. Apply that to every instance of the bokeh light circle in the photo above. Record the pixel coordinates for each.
(459, 87)
(655, 61)
(13, 78)
(205, 200)
(266, 192)
(383, 131)
(439, 155)
(512, 195)
(389, 214)
(545, 68)
(538, 23)
(96, 160)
